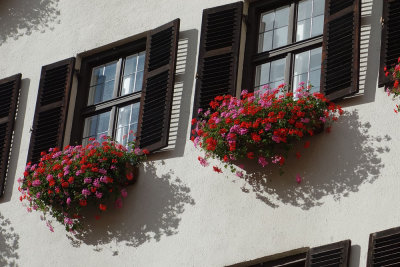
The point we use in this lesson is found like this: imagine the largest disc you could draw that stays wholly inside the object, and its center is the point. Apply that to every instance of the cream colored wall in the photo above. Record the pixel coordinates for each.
(179, 213)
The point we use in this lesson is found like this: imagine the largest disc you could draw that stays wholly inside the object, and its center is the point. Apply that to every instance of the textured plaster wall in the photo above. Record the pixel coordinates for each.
(179, 213)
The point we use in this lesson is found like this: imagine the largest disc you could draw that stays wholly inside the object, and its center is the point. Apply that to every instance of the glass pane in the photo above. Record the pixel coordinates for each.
(301, 63)
(315, 58)
(317, 26)
(281, 17)
(142, 56)
(262, 74)
(297, 79)
(128, 117)
(280, 37)
(275, 85)
(278, 70)
(95, 126)
(267, 21)
(318, 7)
(315, 79)
(101, 92)
(102, 83)
(139, 81)
(305, 9)
(133, 74)
(130, 65)
(303, 29)
(265, 42)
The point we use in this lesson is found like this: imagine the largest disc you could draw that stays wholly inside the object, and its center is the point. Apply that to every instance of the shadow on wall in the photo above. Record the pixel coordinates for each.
(336, 164)
(151, 210)
(21, 17)
(8, 243)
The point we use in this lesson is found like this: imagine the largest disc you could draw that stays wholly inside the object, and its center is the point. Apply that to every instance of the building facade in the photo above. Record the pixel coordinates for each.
(79, 69)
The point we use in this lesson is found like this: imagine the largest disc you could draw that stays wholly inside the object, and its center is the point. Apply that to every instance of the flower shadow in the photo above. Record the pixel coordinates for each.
(336, 165)
(151, 210)
(9, 243)
(20, 17)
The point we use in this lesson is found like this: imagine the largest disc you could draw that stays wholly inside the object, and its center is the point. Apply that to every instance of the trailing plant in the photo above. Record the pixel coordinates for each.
(261, 126)
(65, 182)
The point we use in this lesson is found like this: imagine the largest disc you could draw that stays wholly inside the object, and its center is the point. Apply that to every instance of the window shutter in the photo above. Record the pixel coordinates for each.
(51, 108)
(335, 254)
(341, 48)
(218, 54)
(9, 91)
(390, 50)
(384, 248)
(158, 86)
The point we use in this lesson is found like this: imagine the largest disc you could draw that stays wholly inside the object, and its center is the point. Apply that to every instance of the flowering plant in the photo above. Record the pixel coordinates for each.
(65, 182)
(260, 126)
(394, 75)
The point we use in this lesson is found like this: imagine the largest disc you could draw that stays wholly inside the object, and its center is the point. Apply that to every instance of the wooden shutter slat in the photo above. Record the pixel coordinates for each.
(51, 108)
(9, 91)
(218, 54)
(384, 248)
(158, 86)
(341, 48)
(390, 38)
(335, 254)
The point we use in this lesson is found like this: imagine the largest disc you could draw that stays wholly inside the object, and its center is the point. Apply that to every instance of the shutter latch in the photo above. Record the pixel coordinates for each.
(382, 21)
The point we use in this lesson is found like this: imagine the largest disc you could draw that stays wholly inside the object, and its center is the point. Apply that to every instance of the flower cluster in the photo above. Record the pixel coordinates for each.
(260, 126)
(394, 88)
(65, 182)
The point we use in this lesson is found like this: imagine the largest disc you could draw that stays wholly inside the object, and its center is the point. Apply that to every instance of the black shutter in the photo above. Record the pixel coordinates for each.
(218, 54)
(51, 108)
(158, 86)
(335, 254)
(9, 92)
(341, 48)
(390, 49)
(384, 248)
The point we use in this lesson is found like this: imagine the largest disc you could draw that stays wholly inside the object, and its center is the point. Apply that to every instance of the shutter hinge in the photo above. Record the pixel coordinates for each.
(197, 76)
(382, 20)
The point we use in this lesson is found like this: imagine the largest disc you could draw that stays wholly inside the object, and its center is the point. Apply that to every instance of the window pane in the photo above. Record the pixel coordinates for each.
(303, 29)
(281, 17)
(133, 74)
(273, 29)
(102, 83)
(318, 7)
(315, 80)
(267, 21)
(128, 117)
(280, 37)
(305, 10)
(270, 73)
(317, 26)
(265, 41)
(315, 58)
(95, 126)
(278, 70)
(301, 63)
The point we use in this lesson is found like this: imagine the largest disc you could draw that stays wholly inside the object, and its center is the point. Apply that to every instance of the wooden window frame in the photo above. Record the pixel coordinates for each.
(88, 63)
(253, 58)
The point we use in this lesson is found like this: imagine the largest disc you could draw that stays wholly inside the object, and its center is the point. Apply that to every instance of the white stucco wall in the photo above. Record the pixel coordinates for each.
(179, 213)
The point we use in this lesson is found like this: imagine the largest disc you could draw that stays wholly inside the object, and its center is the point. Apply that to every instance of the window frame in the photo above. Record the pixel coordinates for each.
(253, 58)
(82, 110)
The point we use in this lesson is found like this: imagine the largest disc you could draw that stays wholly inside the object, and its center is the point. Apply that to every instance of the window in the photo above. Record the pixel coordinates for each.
(289, 44)
(334, 254)
(124, 88)
(312, 41)
(127, 91)
(113, 92)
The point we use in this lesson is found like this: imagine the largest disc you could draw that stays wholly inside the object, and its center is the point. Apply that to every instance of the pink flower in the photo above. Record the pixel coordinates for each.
(298, 179)
(323, 119)
(68, 201)
(49, 177)
(50, 226)
(124, 193)
(87, 180)
(203, 161)
(239, 174)
(36, 182)
(262, 161)
(98, 194)
(85, 192)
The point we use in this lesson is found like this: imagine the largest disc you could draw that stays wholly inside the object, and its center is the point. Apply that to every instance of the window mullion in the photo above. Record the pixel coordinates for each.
(118, 78)
(291, 28)
(289, 70)
(112, 123)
